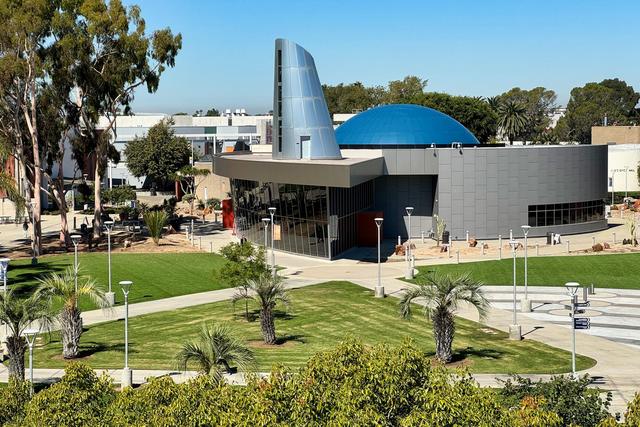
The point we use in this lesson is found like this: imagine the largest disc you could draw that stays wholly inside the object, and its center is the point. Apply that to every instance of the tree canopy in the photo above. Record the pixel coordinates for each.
(591, 103)
(158, 155)
(537, 104)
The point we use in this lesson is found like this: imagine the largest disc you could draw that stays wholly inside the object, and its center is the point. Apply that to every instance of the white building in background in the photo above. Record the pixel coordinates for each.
(623, 168)
(232, 131)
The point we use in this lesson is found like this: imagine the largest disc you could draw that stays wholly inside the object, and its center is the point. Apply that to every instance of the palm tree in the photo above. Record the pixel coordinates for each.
(61, 288)
(267, 290)
(512, 119)
(8, 186)
(19, 314)
(216, 347)
(442, 294)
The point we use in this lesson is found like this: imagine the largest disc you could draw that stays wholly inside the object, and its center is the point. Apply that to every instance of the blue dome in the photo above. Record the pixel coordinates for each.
(402, 124)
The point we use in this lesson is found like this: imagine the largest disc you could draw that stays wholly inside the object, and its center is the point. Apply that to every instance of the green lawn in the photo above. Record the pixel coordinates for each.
(154, 276)
(604, 271)
(319, 317)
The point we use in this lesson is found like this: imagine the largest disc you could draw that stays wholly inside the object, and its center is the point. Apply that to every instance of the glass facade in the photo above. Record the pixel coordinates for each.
(566, 213)
(309, 220)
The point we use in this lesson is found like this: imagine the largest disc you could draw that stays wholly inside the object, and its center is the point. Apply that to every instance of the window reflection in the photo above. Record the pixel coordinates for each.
(566, 213)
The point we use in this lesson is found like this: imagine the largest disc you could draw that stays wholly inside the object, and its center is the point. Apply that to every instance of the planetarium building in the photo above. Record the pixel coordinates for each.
(327, 186)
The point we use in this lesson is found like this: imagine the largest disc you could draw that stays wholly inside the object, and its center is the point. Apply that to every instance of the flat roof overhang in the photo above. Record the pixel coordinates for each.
(346, 172)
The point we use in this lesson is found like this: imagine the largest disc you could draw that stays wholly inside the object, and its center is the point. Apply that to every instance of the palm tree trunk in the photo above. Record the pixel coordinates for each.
(16, 347)
(71, 323)
(443, 331)
(268, 325)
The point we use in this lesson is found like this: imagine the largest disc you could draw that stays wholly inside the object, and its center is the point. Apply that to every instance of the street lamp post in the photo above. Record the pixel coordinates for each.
(572, 289)
(126, 372)
(515, 331)
(265, 222)
(409, 274)
(379, 291)
(111, 296)
(30, 336)
(4, 266)
(272, 212)
(75, 238)
(525, 303)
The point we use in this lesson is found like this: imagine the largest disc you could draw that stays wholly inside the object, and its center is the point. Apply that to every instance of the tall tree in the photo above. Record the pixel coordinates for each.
(591, 103)
(405, 91)
(115, 56)
(267, 291)
(441, 295)
(512, 119)
(158, 155)
(351, 97)
(538, 102)
(24, 34)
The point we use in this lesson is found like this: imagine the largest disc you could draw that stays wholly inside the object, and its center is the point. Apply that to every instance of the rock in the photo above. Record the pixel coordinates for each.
(399, 250)
(606, 245)
(597, 247)
(473, 243)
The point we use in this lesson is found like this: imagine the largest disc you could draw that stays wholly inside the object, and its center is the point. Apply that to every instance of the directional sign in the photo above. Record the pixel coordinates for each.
(583, 304)
(581, 322)
(578, 311)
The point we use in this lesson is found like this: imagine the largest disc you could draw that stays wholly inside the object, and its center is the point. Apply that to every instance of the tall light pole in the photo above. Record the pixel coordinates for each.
(515, 331)
(126, 372)
(379, 288)
(525, 303)
(572, 289)
(265, 223)
(75, 238)
(111, 296)
(272, 212)
(626, 181)
(409, 274)
(30, 336)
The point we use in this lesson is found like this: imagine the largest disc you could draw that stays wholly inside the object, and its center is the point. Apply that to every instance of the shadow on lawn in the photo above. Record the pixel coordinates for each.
(254, 315)
(484, 353)
(90, 348)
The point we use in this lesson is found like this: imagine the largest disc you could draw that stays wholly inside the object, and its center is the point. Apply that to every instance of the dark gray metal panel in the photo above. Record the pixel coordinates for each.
(488, 190)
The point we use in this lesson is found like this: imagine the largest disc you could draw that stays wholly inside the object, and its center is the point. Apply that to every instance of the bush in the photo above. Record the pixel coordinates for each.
(79, 399)
(118, 195)
(571, 399)
(13, 399)
(155, 221)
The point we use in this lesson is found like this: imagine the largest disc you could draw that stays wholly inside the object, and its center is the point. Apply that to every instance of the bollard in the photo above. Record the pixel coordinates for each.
(510, 234)
(211, 247)
(200, 242)
(593, 240)
(422, 236)
(537, 249)
(585, 293)
(614, 237)
(458, 256)
(399, 241)
(482, 245)
(499, 246)
(568, 246)
(592, 289)
(186, 232)
(467, 236)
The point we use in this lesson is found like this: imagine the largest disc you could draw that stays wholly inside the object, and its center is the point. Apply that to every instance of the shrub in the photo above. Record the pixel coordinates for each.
(571, 399)
(118, 195)
(13, 399)
(79, 399)
(155, 221)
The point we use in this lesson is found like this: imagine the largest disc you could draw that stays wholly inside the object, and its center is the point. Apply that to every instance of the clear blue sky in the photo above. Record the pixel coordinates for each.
(461, 47)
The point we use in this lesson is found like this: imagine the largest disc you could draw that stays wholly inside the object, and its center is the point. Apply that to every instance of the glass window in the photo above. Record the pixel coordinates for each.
(565, 213)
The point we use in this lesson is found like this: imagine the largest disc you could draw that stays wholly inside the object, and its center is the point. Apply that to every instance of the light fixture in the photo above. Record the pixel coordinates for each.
(572, 288)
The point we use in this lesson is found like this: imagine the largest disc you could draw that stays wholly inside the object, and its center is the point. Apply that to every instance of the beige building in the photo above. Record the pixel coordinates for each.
(603, 135)
(212, 186)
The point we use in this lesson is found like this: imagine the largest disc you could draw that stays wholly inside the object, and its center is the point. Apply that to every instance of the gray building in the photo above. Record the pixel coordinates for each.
(390, 157)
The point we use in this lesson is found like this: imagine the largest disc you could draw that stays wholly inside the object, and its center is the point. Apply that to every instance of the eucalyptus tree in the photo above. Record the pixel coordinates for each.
(60, 290)
(441, 295)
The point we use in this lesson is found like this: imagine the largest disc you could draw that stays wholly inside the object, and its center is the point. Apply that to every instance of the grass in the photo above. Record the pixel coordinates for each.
(154, 276)
(604, 271)
(320, 316)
